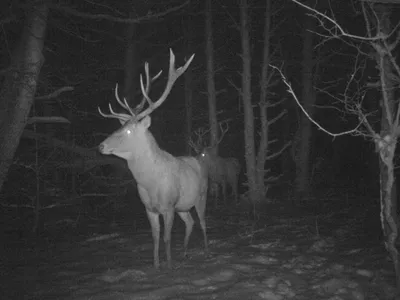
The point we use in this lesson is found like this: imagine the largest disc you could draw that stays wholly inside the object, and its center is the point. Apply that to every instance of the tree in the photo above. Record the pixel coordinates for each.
(382, 40)
(188, 31)
(256, 160)
(20, 86)
(211, 94)
(302, 139)
(249, 143)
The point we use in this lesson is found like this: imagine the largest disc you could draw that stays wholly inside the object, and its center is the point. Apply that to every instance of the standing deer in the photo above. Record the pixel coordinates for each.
(221, 171)
(166, 184)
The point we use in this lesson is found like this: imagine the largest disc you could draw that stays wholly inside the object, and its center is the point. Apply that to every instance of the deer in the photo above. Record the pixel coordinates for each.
(166, 184)
(221, 171)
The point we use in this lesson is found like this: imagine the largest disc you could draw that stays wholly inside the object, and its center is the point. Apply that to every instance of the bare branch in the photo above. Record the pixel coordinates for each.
(276, 118)
(290, 91)
(56, 93)
(279, 152)
(150, 17)
(379, 36)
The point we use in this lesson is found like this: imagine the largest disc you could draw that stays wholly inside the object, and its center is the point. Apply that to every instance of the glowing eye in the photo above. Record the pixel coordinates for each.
(128, 131)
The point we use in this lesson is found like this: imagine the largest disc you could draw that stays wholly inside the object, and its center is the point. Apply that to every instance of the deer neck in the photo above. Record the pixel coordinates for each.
(148, 161)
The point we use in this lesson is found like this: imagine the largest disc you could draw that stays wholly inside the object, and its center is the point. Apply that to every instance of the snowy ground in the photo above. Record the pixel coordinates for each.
(284, 255)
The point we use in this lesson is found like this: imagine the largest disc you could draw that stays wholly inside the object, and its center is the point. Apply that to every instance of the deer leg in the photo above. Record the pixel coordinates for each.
(187, 218)
(155, 230)
(201, 211)
(168, 222)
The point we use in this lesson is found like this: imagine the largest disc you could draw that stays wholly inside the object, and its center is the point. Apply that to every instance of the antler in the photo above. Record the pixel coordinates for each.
(173, 75)
(198, 145)
(223, 129)
(133, 112)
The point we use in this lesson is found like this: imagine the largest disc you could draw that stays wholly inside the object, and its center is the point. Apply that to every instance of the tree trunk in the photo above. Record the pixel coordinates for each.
(188, 31)
(19, 97)
(389, 133)
(131, 78)
(263, 147)
(247, 105)
(212, 101)
(303, 140)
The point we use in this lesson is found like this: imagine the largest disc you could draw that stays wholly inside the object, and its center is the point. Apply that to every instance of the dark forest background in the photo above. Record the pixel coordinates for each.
(58, 178)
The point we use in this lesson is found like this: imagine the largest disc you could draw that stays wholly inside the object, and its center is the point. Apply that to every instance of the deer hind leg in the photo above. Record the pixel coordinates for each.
(168, 222)
(155, 230)
(214, 188)
(187, 218)
(201, 212)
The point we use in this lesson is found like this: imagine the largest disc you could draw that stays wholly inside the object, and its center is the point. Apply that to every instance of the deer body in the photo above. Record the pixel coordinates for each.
(166, 184)
(222, 172)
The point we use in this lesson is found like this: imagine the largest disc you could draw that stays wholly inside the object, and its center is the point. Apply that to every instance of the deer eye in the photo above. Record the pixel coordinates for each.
(128, 131)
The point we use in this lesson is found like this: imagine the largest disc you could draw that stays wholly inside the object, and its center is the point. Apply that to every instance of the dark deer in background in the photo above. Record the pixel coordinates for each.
(221, 171)
(166, 184)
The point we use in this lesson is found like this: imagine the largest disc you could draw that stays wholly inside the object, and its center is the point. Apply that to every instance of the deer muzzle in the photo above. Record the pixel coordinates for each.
(103, 149)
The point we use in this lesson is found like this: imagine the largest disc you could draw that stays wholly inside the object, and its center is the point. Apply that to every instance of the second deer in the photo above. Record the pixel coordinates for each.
(166, 184)
(222, 171)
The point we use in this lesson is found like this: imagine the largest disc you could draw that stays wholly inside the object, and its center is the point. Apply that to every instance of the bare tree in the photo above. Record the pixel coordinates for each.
(188, 31)
(381, 38)
(255, 160)
(247, 103)
(302, 139)
(19, 89)
(212, 101)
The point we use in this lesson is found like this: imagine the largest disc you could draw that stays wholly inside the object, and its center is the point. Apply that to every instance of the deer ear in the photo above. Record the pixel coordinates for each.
(146, 122)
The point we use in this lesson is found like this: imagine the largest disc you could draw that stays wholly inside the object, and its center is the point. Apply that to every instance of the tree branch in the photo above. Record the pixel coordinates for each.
(55, 93)
(150, 17)
(290, 91)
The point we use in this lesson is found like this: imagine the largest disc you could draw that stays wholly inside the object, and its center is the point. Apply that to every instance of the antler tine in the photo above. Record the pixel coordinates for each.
(124, 104)
(173, 75)
(223, 131)
(149, 81)
(114, 115)
(199, 144)
(193, 145)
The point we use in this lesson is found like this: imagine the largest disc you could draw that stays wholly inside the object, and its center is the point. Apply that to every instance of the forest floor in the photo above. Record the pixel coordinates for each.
(286, 254)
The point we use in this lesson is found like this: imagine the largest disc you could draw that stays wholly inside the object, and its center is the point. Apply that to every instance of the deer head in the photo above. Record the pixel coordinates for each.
(135, 124)
(199, 143)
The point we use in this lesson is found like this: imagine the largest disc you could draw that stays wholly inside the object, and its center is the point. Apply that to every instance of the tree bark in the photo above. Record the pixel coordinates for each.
(212, 101)
(247, 104)
(303, 140)
(18, 98)
(263, 147)
(188, 31)
(132, 63)
(388, 132)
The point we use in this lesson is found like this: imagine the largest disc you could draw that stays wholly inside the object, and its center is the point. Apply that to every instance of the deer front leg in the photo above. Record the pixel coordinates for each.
(155, 230)
(168, 222)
